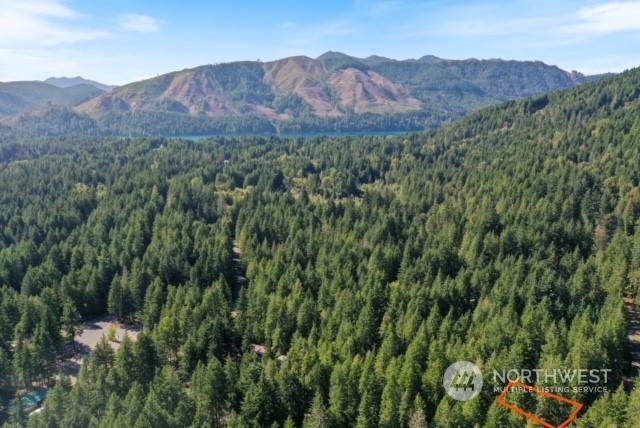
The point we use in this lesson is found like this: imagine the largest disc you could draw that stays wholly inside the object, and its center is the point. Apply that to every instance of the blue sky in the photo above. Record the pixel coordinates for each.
(117, 41)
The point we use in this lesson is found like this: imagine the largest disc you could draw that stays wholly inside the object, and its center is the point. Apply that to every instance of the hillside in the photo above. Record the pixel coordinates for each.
(19, 97)
(335, 88)
(510, 239)
(278, 90)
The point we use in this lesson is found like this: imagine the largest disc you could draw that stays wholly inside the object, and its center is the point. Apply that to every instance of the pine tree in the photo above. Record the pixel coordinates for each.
(69, 321)
(209, 385)
(167, 405)
(418, 416)
(318, 417)
(633, 407)
(260, 404)
(19, 418)
(115, 301)
(391, 396)
(368, 409)
(168, 336)
(146, 359)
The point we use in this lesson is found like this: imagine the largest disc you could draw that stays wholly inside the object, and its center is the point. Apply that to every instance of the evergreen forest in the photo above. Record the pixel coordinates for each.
(510, 238)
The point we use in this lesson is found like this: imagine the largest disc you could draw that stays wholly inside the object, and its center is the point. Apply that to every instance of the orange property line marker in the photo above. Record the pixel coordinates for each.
(502, 401)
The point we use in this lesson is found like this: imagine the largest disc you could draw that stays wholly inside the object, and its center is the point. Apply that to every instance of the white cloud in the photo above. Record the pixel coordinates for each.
(42, 7)
(139, 23)
(41, 38)
(606, 18)
(41, 23)
(535, 26)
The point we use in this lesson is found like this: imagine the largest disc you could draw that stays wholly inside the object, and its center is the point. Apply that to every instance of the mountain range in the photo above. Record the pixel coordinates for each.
(20, 97)
(67, 82)
(333, 85)
(332, 92)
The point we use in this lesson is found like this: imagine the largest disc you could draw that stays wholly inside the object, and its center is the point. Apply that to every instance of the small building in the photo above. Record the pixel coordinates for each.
(259, 349)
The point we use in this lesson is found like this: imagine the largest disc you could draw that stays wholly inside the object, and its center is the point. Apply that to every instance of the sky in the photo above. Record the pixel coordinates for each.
(119, 41)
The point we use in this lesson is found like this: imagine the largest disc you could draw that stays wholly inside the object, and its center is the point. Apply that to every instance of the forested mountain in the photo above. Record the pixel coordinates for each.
(67, 82)
(328, 91)
(462, 86)
(17, 97)
(333, 93)
(508, 239)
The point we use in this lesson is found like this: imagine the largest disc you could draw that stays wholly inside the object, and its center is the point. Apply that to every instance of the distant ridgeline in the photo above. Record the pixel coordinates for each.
(332, 93)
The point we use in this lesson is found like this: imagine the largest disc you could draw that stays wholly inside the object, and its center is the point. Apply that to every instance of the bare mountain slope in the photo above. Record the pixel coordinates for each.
(305, 78)
(369, 92)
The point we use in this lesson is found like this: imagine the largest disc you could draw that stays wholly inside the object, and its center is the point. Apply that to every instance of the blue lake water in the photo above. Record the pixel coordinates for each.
(306, 135)
(30, 401)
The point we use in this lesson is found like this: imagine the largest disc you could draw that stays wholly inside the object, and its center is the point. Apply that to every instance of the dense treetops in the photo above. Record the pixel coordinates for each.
(508, 239)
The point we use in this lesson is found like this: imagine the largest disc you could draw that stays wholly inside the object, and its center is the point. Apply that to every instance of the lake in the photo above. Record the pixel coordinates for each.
(306, 135)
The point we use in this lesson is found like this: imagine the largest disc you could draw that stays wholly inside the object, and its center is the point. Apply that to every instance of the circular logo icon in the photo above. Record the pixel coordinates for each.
(462, 380)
